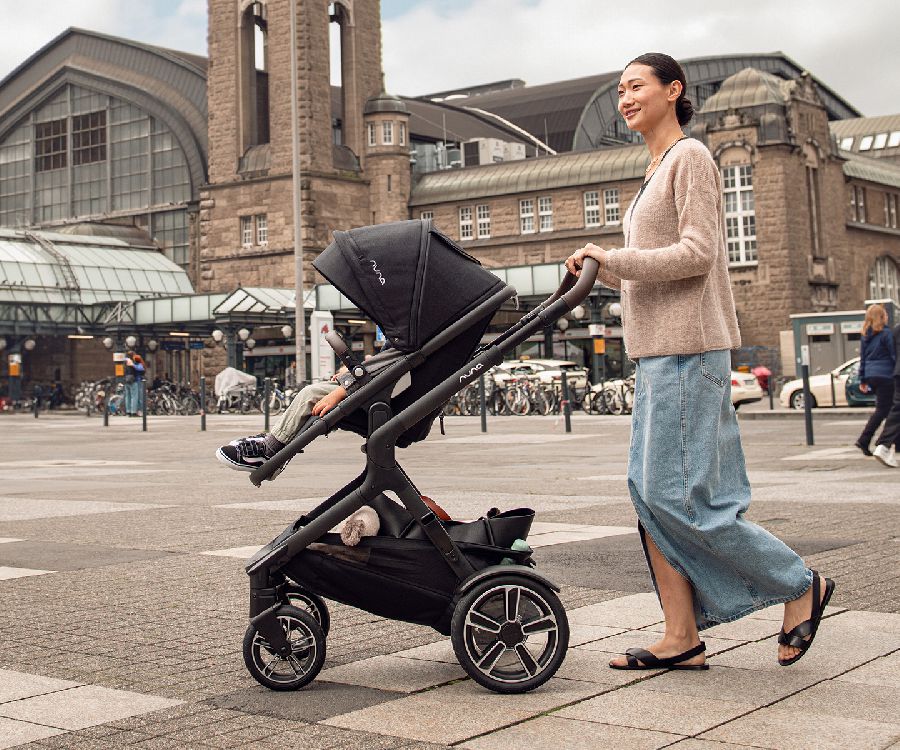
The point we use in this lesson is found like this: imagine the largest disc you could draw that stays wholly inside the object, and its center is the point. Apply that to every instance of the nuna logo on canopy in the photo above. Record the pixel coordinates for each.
(381, 279)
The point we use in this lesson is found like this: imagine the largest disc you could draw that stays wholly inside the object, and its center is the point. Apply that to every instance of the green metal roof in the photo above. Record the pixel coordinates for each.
(51, 268)
(873, 170)
(544, 173)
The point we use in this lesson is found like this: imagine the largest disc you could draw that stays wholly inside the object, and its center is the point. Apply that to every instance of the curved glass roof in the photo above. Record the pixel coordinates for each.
(59, 269)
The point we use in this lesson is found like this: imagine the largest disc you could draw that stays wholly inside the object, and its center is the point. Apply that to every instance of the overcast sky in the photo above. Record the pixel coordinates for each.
(430, 45)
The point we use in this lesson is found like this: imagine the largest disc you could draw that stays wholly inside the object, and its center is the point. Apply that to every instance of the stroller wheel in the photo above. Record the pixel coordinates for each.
(307, 652)
(298, 597)
(510, 633)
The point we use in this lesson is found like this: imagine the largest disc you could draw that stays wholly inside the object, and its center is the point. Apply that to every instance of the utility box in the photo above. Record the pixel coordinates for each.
(833, 337)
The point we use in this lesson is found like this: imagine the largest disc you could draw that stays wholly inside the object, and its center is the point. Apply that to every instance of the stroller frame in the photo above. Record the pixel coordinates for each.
(268, 582)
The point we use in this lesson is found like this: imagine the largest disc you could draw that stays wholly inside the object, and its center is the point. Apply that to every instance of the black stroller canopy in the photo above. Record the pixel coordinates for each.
(406, 276)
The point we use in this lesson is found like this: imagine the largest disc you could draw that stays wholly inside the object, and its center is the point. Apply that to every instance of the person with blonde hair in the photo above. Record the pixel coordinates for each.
(877, 360)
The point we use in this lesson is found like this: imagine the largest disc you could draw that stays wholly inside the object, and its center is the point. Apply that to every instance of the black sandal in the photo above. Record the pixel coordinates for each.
(802, 636)
(639, 658)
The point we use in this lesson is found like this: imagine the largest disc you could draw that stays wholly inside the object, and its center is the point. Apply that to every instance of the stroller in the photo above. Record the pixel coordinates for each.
(472, 581)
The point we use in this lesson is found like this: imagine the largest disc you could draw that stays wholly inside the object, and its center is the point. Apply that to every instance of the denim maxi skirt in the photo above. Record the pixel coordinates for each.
(688, 482)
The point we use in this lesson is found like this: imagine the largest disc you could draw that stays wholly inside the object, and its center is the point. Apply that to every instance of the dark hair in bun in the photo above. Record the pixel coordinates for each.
(667, 70)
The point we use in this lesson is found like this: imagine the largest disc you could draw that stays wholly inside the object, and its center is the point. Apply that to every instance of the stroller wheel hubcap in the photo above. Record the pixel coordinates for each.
(511, 634)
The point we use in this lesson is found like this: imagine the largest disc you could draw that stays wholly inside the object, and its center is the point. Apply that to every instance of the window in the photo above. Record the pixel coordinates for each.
(389, 183)
(89, 138)
(592, 208)
(847, 143)
(884, 280)
(890, 210)
(894, 139)
(740, 215)
(866, 143)
(545, 212)
(611, 205)
(262, 229)
(426, 215)
(526, 216)
(880, 140)
(50, 145)
(402, 134)
(387, 133)
(246, 231)
(465, 223)
(483, 213)
(812, 199)
(371, 129)
(858, 204)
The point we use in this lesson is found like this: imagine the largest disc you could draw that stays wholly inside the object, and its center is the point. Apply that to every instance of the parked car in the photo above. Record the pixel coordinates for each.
(545, 370)
(745, 388)
(846, 388)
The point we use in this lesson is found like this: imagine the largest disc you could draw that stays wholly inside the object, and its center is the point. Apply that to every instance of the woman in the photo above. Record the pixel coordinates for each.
(877, 359)
(686, 471)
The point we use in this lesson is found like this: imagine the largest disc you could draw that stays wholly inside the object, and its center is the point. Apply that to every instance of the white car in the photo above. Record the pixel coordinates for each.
(820, 387)
(745, 388)
(545, 370)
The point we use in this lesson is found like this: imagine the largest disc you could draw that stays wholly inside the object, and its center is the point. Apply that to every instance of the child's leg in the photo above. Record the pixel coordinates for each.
(300, 410)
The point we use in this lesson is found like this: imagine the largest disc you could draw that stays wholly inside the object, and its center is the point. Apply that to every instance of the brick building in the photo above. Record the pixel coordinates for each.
(197, 152)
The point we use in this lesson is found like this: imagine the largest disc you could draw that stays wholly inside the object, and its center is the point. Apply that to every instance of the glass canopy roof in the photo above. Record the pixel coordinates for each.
(59, 269)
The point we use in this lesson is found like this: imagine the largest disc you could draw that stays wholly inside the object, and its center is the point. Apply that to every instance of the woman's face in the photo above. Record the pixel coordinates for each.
(644, 101)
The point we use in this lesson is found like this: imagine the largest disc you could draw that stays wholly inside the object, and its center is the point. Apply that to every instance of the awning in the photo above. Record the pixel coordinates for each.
(60, 283)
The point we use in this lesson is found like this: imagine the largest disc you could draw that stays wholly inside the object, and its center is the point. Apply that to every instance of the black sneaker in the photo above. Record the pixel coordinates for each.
(245, 454)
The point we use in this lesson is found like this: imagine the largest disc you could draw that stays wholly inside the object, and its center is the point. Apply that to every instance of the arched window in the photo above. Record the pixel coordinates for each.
(82, 155)
(254, 75)
(884, 280)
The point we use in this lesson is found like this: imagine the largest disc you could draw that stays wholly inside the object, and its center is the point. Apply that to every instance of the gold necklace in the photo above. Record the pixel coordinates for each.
(662, 153)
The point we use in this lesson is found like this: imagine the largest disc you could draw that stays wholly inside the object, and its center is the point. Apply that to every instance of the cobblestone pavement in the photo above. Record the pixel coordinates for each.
(123, 599)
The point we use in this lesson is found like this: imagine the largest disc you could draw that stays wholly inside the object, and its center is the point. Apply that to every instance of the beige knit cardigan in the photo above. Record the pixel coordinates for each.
(673, 271)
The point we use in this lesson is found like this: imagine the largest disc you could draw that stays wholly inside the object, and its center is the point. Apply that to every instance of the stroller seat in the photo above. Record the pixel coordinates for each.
(473, 581)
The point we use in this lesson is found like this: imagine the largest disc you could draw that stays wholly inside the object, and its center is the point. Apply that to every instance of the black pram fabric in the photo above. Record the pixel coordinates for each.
(413, 281)
(408, 277)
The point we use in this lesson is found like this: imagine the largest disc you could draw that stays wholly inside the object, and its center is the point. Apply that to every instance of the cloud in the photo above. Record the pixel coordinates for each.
(850, 47)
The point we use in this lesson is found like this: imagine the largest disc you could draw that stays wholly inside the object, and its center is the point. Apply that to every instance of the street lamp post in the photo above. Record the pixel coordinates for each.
(300, 312)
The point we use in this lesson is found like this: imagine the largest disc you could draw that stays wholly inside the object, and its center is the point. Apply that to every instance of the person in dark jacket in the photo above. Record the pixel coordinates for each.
(890, 435)
(878, 358)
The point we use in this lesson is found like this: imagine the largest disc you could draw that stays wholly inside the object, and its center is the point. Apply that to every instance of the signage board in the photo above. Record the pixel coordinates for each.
(597, 329)
(321, 322)
(819, 329)
(851, 326)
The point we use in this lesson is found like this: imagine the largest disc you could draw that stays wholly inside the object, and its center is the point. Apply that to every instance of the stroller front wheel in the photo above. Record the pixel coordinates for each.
(510, 633)
(305, 660)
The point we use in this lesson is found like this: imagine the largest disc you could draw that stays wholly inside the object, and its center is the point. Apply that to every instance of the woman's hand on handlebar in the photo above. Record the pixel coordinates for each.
(576, 260)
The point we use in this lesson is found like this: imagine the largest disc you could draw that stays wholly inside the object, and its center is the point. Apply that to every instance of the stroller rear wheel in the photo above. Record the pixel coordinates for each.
(510, 633)
(300, 598)
(307, 652)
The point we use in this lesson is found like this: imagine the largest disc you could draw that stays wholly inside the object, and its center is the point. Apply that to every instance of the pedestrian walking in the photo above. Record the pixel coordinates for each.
(877, 360)
(140, 373)
(890, 434)
(686, 471)
(130, 392)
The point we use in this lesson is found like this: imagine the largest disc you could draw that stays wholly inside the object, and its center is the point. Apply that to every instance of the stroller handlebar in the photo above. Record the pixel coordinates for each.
(575, 289)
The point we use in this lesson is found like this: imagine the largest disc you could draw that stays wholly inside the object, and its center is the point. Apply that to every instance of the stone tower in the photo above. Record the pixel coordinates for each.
(246, 212)
(387, 157)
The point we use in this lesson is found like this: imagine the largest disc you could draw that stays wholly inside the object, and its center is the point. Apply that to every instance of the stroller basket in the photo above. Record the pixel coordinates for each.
(469, 580)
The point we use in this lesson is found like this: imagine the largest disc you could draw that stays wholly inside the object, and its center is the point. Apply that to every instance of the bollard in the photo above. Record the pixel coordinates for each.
(266, 387)
(807, 405)
(565, 402)
(203, 403)
(143, 393)
(37, 400)
(771, 397)
(106, 408)
(833, 394)
(482, 402)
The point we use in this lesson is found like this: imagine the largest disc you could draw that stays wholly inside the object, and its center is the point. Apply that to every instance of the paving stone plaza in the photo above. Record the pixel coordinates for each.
(123, 596)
